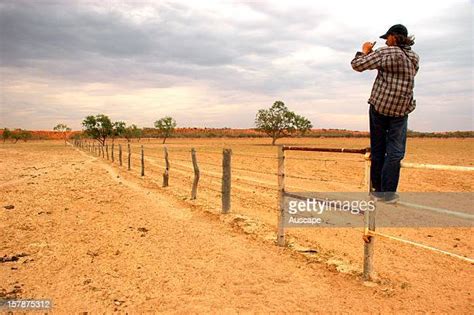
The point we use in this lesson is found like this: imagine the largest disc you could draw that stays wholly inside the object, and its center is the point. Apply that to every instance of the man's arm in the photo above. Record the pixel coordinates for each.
(368, 61)
(417, 65)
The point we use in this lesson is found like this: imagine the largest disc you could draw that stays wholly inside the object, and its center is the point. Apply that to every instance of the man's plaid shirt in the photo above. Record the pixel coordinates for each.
(392, 92)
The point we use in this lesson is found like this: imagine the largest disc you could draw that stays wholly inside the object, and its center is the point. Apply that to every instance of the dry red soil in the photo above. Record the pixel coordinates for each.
(94, 237)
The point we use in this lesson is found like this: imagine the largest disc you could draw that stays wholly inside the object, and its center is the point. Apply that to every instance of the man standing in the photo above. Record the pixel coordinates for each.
(390, 102)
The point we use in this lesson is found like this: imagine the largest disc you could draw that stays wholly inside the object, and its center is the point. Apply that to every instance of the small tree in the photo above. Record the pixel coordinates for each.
(165, 126)
(138, 134)
(98, 127)
(132, 132)
(64, 129)
(26, 135)
(279, 122)
(7, 134)
(118, 129)
(15, 137)
(21, 135)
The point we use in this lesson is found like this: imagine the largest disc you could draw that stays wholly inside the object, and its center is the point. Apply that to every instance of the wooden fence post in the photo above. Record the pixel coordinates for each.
(281, 196)
(120, 154)
(166, 174)
(112, 153)
(369, 225)
(107, 151)
(226, 180)
(196, 174)
(143, 162)
(129, 157)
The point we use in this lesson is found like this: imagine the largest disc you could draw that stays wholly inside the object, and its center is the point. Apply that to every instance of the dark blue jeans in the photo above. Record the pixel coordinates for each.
(387, 144)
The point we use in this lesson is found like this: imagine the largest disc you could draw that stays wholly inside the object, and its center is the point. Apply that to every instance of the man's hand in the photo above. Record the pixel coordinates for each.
(367, 47)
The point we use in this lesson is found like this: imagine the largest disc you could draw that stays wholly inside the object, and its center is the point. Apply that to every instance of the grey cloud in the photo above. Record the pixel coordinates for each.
(68, 32)
(79, 43)
(65, 32)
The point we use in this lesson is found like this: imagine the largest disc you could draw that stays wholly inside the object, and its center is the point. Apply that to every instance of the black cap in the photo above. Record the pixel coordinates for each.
(397, 29)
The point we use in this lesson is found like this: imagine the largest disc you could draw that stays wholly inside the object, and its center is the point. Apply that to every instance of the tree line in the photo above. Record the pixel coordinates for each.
(16, 135)
(101, 128)
(276, 122)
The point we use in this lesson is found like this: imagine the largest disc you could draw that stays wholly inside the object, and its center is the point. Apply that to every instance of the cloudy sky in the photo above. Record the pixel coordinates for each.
(215, 63)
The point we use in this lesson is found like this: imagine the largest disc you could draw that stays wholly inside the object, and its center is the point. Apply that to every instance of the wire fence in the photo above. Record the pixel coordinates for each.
(179, 156)
(369, 216)
(247, 179)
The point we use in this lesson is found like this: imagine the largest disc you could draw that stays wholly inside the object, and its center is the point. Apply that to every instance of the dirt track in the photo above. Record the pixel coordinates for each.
(100, 238)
